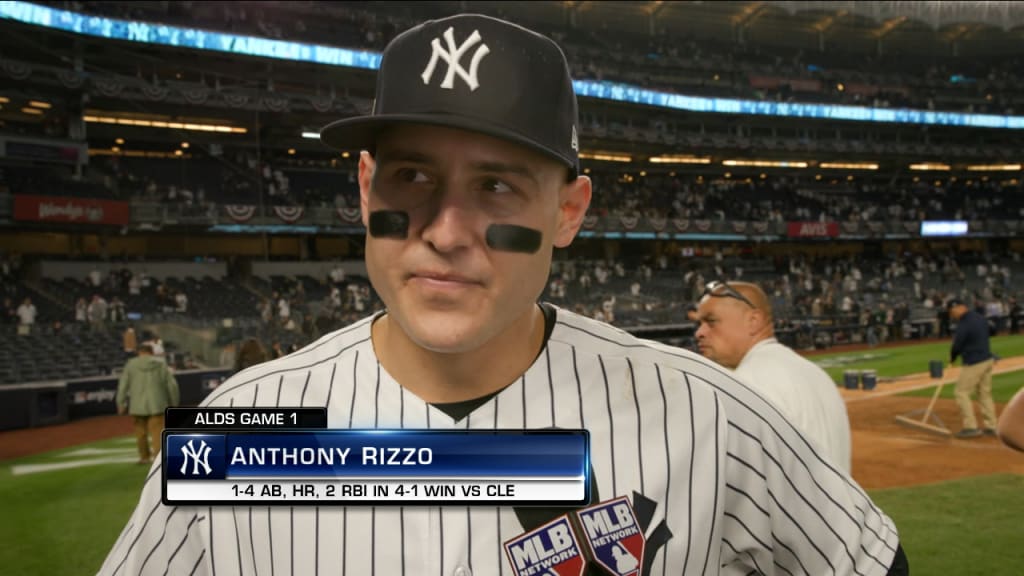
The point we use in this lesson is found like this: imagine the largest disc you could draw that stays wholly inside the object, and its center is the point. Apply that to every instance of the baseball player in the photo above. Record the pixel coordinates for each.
(736, 331)
(470, 177)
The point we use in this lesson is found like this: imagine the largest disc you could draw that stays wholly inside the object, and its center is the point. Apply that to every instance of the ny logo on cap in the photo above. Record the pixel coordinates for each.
(453, 56)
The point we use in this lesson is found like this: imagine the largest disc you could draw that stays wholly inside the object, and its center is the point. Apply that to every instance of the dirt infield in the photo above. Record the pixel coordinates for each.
(28, 441)
(885, 454)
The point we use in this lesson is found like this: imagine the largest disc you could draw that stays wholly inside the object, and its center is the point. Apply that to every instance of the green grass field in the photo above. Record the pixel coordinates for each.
(892, 362)
(969, 527)
(63, 522)
(960, 528)
(1004, 386)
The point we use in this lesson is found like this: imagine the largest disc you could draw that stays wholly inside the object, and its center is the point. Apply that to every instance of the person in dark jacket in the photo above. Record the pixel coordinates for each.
(971, 341)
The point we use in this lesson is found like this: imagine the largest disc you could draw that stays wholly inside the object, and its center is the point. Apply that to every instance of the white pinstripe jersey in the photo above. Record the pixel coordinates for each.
(739, 489)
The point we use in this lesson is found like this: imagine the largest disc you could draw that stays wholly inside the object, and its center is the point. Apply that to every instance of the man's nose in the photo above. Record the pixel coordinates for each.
(451, 222)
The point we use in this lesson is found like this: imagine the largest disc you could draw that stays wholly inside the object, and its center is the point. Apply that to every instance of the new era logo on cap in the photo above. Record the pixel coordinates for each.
(475, 73)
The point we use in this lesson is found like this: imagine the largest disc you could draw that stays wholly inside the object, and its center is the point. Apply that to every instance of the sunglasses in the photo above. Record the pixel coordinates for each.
(717, 289)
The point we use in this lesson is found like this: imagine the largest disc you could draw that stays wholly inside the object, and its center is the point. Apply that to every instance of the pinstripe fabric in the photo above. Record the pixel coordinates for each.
(738, 487)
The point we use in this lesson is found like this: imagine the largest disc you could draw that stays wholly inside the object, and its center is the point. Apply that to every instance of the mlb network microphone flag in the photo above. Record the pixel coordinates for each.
(535, 467)
(605, 538)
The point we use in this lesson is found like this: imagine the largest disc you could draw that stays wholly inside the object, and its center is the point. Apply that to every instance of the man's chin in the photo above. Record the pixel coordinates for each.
(444, 332)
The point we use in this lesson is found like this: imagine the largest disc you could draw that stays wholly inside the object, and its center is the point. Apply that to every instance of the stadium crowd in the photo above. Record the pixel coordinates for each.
(666, 59)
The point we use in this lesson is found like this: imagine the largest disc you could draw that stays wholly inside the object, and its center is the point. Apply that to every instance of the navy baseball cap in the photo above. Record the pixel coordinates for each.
(475, 73)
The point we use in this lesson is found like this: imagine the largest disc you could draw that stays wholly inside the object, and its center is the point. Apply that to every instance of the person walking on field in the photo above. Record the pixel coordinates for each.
(971, 341)
(147, 387)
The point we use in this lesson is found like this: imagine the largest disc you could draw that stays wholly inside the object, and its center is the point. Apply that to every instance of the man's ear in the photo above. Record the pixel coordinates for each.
(574, 198)
(367, 167)
(755, 321)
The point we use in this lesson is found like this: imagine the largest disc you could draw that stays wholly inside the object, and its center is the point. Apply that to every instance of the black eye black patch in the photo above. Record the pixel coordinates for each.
(389, 224)
(512, 238)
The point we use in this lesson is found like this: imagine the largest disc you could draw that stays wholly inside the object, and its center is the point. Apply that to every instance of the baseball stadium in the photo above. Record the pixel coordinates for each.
(164, 187)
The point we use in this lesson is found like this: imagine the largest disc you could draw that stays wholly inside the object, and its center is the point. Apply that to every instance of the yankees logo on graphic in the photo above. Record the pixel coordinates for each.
(614, 536)
(199, 456)
(453, 56)
(550, 550)
(191, 456)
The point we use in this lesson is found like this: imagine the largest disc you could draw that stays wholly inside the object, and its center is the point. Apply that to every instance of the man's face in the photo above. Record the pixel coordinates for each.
(726, 329)
(447, 289)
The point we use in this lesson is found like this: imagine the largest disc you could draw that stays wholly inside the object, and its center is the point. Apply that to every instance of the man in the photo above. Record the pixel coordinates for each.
(1011, 422)
(469, 178)
(971, 341)
(736, 330)
(27, 313)
(1015, 313)
(145, 390)
(97, 312)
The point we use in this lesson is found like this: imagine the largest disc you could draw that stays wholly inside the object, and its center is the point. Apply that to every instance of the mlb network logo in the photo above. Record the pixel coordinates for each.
(614, 536)
(195, 457)
(551, 550)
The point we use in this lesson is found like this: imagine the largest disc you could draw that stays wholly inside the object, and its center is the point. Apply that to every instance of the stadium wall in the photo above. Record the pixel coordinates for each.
(46, 403)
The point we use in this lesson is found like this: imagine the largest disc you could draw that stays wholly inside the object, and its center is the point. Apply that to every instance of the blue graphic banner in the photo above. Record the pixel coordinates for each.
(462, 454)
(166, 35)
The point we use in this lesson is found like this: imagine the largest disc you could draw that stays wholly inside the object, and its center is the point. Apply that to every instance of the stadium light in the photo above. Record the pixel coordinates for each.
(993, 167)
(766, 163)
(679, 159)
(40, 104)
(932, 166)
(605, 157)
(849, 165)
(4, 99)
(311, 135)
(192, 126)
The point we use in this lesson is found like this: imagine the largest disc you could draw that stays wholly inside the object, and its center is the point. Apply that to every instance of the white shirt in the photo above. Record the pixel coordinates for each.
(737, 488)
(27, 313)
(805, 393)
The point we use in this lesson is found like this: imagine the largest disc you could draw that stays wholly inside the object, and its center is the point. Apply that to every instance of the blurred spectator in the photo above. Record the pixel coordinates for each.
(129, 340)
(249, 354)
(81, 311)
(97, 312)
(117, 311)
(10, 312)
(27, 312)
(181, 302)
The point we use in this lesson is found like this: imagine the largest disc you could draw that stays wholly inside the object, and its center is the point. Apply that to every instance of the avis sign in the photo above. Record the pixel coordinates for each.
(550, 550)
(614, 537)
(813, 229)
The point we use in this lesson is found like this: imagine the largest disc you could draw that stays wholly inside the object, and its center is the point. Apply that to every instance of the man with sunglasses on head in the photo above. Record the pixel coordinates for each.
(736, 330)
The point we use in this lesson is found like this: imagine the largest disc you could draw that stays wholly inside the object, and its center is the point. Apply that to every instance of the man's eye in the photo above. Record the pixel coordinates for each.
(497, 186)
(412, 175)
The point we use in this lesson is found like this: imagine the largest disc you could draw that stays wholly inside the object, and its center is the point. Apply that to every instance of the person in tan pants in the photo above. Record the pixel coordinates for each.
(145, 390)
(971, 340)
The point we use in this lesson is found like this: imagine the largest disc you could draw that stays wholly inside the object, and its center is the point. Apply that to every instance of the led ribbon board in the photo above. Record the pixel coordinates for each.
(176, 36)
